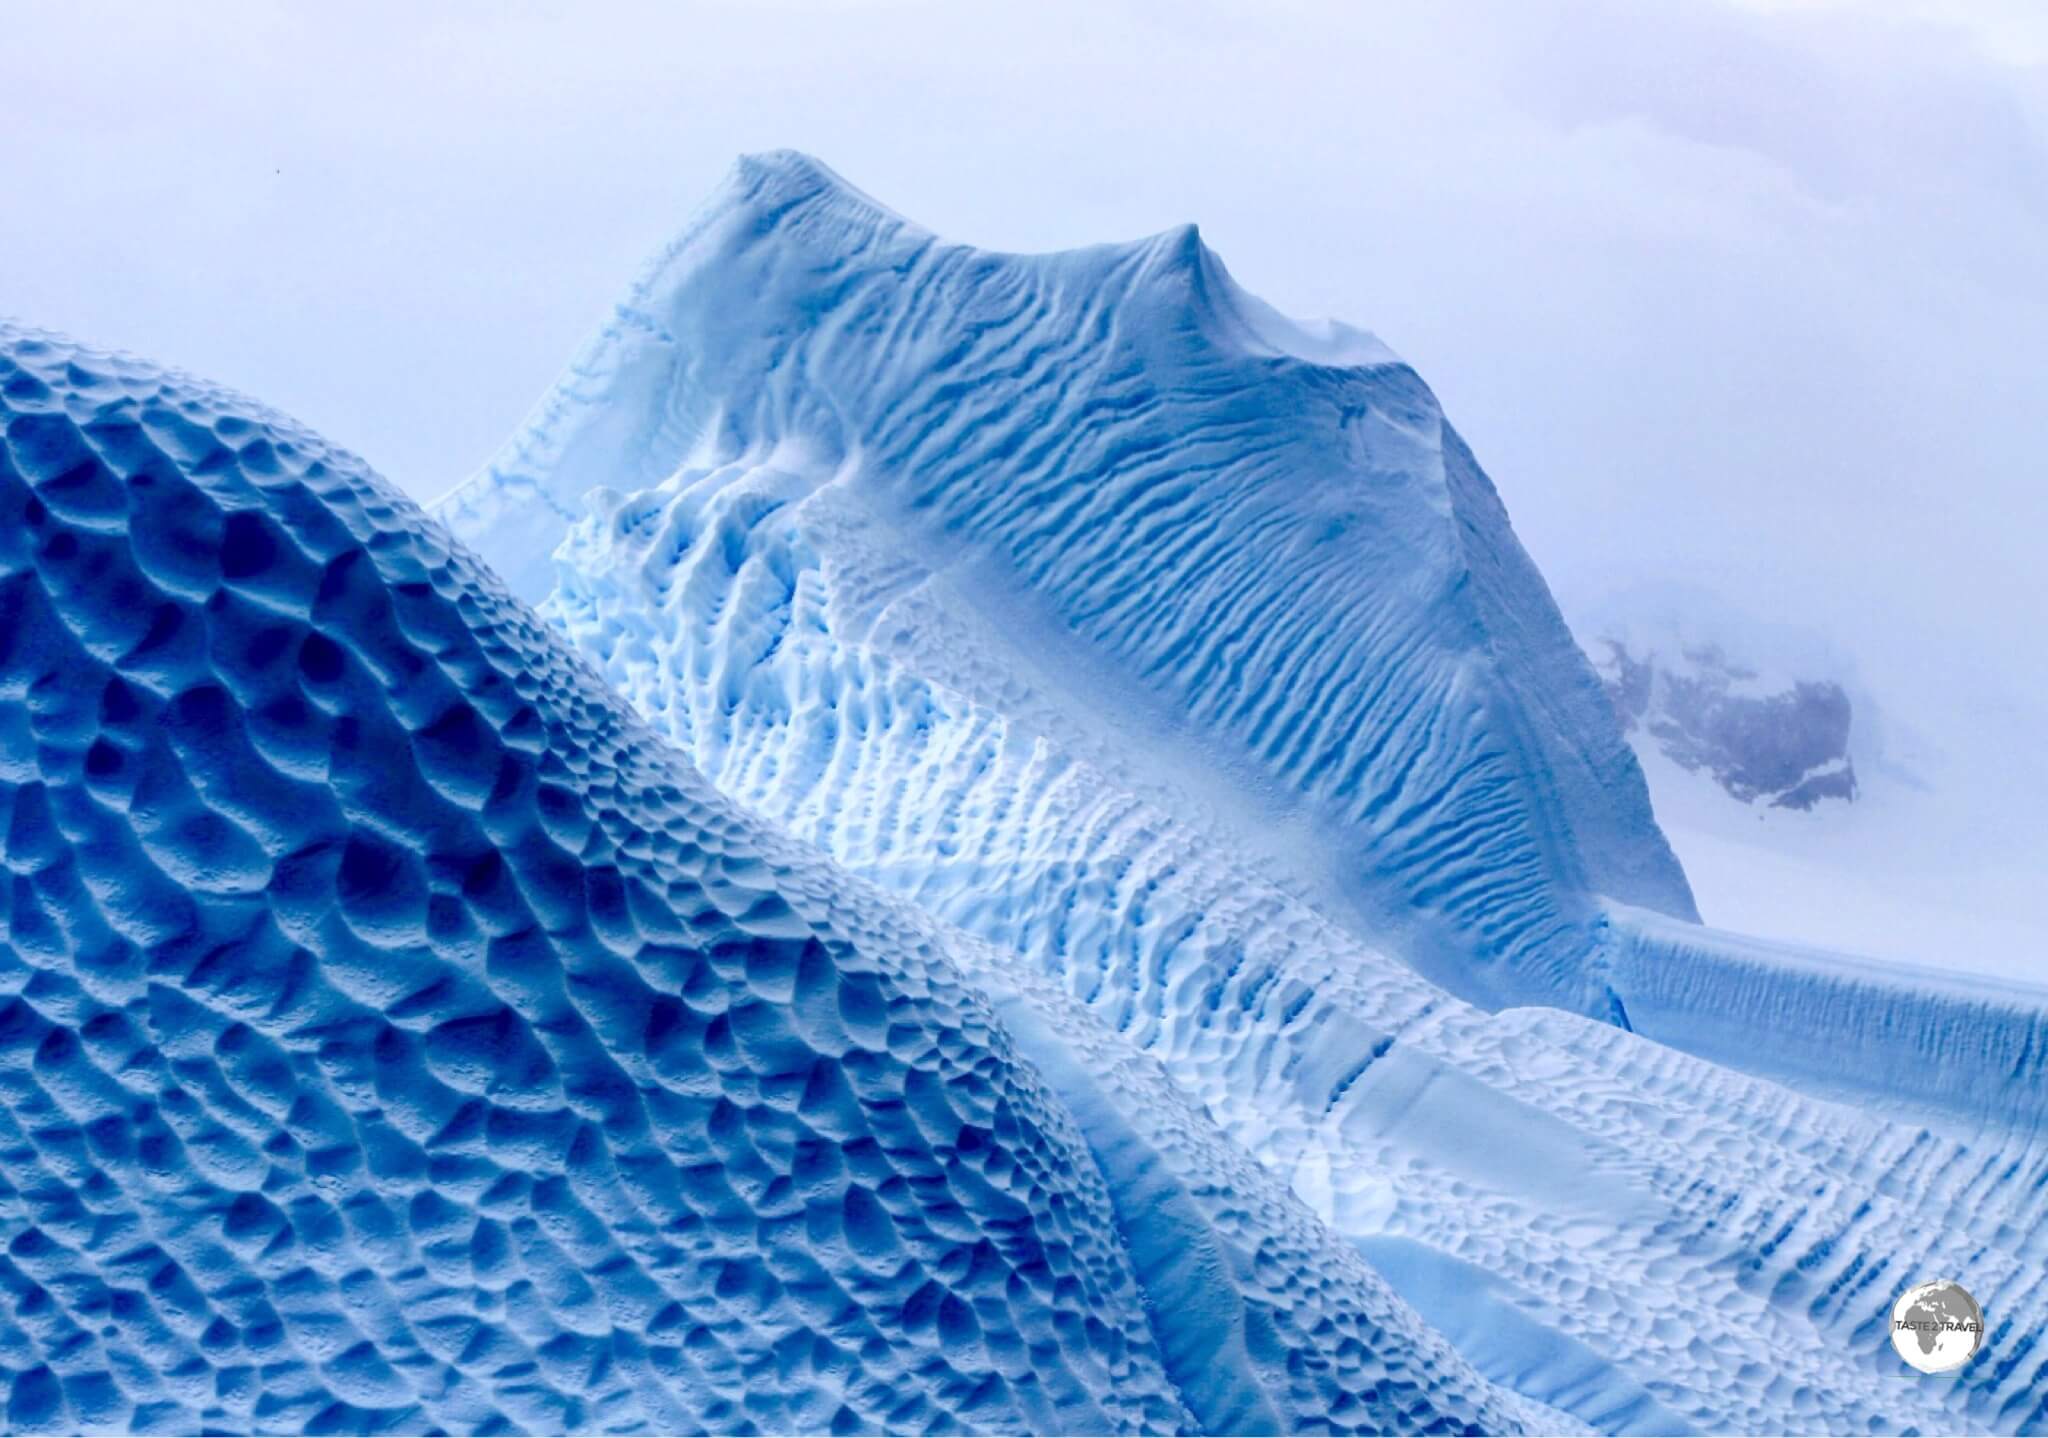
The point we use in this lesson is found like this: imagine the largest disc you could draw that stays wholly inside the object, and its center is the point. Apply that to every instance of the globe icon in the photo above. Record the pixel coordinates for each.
(1937, 1327)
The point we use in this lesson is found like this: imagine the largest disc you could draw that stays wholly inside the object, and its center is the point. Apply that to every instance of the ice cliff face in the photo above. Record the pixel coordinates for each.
(1178, 662)
(1204, 539)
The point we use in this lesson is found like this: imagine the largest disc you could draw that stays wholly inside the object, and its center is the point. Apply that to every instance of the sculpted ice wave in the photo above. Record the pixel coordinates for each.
(1505, 1166)
(397, 1036)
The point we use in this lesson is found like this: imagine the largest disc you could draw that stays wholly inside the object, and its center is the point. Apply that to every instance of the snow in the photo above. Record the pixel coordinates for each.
(1943, 876)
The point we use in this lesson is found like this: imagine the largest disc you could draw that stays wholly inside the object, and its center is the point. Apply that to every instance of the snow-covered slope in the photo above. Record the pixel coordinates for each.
(1252, 551)
(397, 1035)
(1183, 661)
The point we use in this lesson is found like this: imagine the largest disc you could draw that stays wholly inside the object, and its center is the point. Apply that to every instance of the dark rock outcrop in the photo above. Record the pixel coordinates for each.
(1788, 746)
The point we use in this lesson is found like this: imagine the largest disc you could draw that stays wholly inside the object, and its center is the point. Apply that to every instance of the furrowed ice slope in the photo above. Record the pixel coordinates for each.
(1102, 537)
(1258, 546)
(1586, 1213)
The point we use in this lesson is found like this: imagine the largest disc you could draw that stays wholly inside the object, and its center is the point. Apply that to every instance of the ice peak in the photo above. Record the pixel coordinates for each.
(787, 162)
(1180, 245)
(773, 180)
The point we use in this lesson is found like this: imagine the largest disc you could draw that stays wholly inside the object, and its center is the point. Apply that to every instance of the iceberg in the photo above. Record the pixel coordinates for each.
(945, 841)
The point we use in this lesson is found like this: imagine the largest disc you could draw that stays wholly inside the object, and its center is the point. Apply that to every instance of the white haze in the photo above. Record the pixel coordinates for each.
(1751, 296)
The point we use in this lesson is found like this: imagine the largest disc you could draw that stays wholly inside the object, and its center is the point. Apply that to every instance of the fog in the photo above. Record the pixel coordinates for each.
(1751, 296)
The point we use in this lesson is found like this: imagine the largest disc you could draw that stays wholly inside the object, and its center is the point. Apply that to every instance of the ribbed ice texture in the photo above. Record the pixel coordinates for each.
(1172, 499)
(397, 1036)
(1915, 1041)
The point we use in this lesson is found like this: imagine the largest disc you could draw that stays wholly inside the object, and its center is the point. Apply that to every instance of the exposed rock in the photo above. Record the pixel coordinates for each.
(1787, 744)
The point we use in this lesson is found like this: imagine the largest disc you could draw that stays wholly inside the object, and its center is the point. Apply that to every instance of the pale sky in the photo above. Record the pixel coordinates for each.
(1749, 294)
